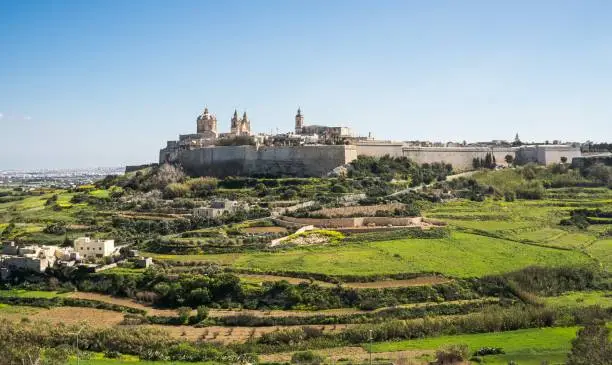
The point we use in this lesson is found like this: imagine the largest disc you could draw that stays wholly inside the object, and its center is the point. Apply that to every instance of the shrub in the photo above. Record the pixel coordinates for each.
(203, 187)
(306, 357)
(176, 190)
(202, 313)
(451, 354)
(483, 351)
(111, 354)
(592, 346)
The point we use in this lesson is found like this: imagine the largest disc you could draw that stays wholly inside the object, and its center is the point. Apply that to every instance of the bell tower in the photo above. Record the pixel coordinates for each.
(299, 122)
(235, 121)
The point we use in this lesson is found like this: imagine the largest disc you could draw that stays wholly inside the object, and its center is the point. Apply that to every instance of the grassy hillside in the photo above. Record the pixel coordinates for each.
(461, 255)
(529, 347)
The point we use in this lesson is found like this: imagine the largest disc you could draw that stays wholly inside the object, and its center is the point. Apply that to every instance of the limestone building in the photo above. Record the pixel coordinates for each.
(86, 247)
(299, 122)
(240, 126)
(207, 125)
(325, 134)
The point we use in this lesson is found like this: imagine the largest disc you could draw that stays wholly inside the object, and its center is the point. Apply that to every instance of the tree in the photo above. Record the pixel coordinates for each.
(488, 161)
(592, 346)
(509, 159)
(600, 173)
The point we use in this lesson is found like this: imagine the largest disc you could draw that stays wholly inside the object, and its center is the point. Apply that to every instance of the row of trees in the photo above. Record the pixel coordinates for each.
(400, 168)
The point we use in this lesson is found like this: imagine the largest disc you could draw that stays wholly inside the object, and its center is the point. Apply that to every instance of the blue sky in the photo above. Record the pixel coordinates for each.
(106, 83)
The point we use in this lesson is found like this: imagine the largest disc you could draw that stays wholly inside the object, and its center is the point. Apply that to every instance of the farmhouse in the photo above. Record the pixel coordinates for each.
(218, 208)
(86, 247)
(31, 258)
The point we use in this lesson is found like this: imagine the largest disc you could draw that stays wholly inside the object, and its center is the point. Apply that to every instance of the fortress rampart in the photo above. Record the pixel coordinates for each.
(298, 161)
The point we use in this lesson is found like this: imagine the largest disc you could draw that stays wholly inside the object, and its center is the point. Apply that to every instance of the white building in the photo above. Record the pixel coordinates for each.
(87, 247)
(32, 258)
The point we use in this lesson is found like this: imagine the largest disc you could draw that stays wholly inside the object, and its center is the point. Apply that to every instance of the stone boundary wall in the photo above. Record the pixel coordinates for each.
(295, 207)
(355, 222)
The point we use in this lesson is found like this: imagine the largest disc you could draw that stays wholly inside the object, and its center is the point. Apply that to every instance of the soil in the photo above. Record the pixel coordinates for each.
(355, 354)
(419, 281)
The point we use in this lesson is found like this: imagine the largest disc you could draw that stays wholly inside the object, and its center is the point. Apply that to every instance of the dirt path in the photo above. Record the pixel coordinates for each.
(353, 353)
(418, 281)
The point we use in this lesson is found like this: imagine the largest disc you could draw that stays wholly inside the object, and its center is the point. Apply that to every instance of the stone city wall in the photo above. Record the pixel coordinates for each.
(374, 149)
(460, 157)
(302, 161)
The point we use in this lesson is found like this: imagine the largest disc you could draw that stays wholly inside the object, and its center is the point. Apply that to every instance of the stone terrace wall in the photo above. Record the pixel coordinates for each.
(358, 209)
(355, 222)
(303, 161)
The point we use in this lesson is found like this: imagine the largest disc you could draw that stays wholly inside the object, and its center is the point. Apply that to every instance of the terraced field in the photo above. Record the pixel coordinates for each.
(461, 255)
(531, 346)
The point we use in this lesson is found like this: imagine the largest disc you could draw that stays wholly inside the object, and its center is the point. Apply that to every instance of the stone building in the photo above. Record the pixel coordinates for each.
(207, 125)
(87, 248)
(299, 122)
(325, 134)
(31, 258)
(218, 208)
(240, 126)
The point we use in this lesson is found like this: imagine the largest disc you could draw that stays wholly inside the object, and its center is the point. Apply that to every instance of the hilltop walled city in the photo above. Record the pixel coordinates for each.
(316, 150)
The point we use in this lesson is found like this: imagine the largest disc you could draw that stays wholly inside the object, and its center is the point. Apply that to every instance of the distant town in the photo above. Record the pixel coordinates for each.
(61, 178)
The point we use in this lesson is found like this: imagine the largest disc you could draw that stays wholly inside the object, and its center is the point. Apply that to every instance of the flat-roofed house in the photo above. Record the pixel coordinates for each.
(87, 247)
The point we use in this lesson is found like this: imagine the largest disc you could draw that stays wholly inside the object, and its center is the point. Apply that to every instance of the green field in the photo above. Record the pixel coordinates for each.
(581, 299)
(461, 255)
(526, 347)
(99, 359)
(602, 251)
(29, 293)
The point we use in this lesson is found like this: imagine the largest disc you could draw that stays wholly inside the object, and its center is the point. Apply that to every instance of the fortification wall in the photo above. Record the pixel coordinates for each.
(460, 157)
(547, 155)
(299, 161)
(374, 149)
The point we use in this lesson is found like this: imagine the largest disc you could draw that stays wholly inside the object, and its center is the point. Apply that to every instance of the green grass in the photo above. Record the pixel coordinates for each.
(100, 193)
(526, 347)
(99, 359)
(461, 255)
(602, 251)
(29, 293)
(7, 309)
(581, 299)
